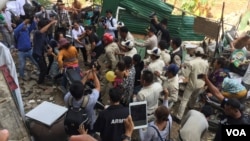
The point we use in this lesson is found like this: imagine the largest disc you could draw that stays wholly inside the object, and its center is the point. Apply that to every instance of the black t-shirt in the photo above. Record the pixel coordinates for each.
(39, 41)
(228, 120)
(165, 35)
(110, 123)
(93, 38)
(138, 69)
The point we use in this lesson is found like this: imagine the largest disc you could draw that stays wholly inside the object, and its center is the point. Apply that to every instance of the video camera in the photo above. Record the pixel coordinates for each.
(30, 10)
(103, 20)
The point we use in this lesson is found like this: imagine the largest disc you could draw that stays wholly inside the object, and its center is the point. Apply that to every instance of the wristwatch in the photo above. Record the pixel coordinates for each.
(125, 138)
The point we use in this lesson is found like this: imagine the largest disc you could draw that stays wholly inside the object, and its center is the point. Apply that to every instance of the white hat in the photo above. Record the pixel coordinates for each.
(200, 50)
(128, 44)
(120, 24)
(155, 51)
(189, 45)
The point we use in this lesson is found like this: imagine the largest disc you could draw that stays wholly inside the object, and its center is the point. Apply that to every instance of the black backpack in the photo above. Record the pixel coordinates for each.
(115, 31)
(76, 117)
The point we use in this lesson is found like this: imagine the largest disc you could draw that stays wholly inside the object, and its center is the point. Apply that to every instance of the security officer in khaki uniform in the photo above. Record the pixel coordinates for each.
(191, 70)
(110, 60)
(111, 48)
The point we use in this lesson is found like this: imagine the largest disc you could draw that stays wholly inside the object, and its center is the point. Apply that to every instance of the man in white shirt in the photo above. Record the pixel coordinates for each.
(165, 56)
(176, 53)
(78, 34)
(110, 25)
(149, 92)
(198, 121)
(190, 52)
(45, 14)
(151, 41)
(172, 84)
(17, 7)
(155, 63)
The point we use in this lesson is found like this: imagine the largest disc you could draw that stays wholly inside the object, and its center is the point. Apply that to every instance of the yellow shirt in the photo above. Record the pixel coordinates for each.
(67, 57)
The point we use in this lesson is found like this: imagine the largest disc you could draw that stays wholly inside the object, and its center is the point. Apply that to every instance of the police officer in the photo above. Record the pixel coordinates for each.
(190, 71)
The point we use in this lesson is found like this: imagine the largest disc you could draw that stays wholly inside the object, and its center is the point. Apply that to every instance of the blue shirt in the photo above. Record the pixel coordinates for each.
(22, 36)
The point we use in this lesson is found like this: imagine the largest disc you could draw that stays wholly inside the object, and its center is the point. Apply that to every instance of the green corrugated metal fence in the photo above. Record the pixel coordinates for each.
(136, 17)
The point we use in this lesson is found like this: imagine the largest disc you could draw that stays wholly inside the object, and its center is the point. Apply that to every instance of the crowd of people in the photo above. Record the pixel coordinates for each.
(154, 78)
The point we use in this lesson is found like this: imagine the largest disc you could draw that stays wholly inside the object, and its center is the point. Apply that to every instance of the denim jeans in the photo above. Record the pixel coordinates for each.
(22, 56)
(43, 67)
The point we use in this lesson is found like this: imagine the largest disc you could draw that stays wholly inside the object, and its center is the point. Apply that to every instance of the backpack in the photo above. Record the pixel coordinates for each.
(76, 117)
(115, 31)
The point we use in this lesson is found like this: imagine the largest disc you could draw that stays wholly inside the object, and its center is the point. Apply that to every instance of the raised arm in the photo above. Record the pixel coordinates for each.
(96, 80)
(46, 27)
(214, 90)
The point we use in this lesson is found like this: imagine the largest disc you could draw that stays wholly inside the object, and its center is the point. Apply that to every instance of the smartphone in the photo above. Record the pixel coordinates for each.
(200, 76)
(138, 112)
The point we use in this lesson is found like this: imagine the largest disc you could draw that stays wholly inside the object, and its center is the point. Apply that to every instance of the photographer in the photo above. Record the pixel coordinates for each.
(79, 90)
(110, 24)
(64, 21)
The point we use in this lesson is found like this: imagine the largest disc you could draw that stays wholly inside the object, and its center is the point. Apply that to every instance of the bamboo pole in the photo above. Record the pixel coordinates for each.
(220, 27)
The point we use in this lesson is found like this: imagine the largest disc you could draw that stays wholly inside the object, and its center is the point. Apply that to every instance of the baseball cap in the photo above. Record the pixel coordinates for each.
(63, 42)
(173, 68)
(120, 24)
(128, 44)
(199, 50)
(155, 51)
(235, 103)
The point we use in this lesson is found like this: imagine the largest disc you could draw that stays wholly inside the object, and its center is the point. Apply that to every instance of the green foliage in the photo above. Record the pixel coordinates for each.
(197, 7)
(188, 5)
(99, 2)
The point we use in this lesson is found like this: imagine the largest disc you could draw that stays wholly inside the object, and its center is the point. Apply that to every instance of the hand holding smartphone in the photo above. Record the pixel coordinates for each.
(200, 76)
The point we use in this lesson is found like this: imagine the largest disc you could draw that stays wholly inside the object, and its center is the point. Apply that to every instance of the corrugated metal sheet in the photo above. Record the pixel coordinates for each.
(182, 26)
(143, 8)
(135, 17)
(110, 4)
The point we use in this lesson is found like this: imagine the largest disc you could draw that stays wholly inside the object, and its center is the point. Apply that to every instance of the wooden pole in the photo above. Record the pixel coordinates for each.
(220, 27)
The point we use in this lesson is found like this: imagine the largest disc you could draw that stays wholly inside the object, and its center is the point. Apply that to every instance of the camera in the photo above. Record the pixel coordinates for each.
(89, 85)
(103, 20)
(200, 76)
(95, 64)
(30, 10)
